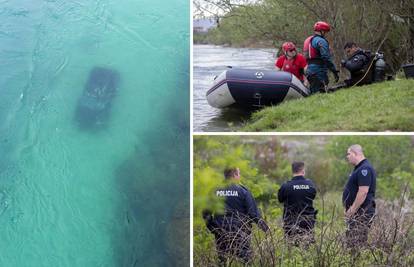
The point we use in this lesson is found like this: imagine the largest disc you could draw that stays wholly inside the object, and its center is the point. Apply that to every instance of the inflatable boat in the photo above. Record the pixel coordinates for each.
(95, 103)
(247, 88)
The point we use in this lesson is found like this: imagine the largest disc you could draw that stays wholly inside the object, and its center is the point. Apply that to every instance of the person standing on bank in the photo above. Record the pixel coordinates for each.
(292, 61)
(297, 196)
(318, 56)
(232, 230)
(359, 197)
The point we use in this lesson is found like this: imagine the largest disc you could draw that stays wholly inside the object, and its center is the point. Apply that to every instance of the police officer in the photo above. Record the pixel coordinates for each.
(359, 197)
(357, 63)
(318, 57)
(232, 230)
(297, 196)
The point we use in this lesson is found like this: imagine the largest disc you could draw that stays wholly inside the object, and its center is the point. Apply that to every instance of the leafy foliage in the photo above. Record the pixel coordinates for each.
(391, 156)
(264, 164)
(211, 157)
(373, 24)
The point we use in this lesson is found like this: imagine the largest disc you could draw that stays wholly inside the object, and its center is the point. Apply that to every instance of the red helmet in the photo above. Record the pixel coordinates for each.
(288, 46)
(321, 26)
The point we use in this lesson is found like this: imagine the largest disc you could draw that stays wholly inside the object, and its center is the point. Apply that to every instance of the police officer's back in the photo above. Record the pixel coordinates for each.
(297, 196)
(240, 207)
(232, 228)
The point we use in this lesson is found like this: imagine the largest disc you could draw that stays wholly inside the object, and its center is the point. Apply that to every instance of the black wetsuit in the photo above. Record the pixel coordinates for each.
(357, 64)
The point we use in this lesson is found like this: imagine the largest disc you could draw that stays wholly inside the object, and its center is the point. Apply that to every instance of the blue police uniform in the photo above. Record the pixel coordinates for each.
(297, 196)
(317, 71)
(233, 228)
(362, 175)
(359, 224)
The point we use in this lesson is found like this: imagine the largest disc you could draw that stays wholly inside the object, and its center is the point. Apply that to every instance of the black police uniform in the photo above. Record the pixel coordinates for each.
(359, 224)
(232, 230)
(299, 216)
(357, 64)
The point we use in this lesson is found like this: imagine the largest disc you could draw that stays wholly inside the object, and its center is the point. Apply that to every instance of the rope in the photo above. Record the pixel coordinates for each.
(372, 62)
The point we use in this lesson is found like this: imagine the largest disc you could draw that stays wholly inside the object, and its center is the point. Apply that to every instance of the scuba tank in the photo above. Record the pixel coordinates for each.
(379, 72)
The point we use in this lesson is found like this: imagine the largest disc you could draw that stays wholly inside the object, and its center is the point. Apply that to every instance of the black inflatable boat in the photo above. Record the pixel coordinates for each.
(249, 88)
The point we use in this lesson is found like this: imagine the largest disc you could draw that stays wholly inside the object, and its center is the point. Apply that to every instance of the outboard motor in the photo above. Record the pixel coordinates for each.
(379, 72)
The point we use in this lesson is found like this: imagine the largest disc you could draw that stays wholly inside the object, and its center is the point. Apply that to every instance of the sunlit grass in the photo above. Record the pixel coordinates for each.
(387, 106)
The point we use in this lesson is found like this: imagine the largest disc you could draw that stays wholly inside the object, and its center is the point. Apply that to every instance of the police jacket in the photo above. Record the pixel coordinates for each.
(357, 64)
(297, 196)
(240, 209)
(362, 175)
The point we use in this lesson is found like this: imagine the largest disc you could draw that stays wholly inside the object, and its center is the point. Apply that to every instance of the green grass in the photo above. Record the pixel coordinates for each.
(387, 106)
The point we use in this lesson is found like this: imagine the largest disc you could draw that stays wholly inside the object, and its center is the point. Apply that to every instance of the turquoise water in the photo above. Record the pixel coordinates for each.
(114, 196)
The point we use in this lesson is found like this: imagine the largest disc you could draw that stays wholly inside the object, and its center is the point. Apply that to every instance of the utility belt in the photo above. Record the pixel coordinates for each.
(371, 204)
(367, 209)
(316, 61)
(300, 215)
(233, 220)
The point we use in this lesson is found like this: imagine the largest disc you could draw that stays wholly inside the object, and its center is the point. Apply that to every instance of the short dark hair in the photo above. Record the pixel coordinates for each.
(349, 45)
(298, 166)
(230, 172)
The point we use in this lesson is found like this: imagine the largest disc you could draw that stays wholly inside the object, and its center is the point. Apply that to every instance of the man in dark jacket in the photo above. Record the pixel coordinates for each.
(359, 197)
(232, 230)
(357, 63)
(297, 196)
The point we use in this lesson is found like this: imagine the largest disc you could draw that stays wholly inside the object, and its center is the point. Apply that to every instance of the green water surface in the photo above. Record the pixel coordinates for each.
(112, 196)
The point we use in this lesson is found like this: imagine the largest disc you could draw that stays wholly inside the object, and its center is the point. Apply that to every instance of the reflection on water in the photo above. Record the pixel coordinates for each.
(209, 61)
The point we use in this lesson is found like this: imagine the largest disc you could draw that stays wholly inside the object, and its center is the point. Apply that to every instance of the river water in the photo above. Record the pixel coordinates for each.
(112, 196)
(208, 62)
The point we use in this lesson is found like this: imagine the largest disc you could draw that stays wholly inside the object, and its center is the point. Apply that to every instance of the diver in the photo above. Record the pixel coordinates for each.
(358, 63)
(363, 66)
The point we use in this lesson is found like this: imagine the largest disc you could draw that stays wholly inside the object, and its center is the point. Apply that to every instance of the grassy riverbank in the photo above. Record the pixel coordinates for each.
(210, 39)
(387, 106)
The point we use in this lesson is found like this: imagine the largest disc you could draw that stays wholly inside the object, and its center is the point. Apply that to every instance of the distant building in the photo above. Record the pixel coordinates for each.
(203, 25)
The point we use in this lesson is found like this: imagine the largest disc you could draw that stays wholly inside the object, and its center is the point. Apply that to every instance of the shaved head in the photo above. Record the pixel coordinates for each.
(354, 154)
(357, 149)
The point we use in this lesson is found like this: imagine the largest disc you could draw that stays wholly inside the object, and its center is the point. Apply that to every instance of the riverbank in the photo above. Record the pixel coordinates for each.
(387, 106)
(206, 39)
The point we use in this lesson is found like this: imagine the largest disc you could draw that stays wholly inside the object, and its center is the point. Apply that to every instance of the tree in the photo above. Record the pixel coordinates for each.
(373, 24)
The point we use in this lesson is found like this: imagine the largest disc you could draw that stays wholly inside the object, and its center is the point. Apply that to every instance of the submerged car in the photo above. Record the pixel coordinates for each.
(93, 108)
